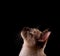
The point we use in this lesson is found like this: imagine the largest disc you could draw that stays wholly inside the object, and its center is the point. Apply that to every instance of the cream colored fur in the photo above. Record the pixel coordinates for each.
(28, 49)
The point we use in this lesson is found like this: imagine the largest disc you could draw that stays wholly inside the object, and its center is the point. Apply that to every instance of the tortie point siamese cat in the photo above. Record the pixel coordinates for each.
(34, 41)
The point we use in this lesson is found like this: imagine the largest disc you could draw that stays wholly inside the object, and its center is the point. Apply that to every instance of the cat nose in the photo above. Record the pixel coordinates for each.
(26, 29)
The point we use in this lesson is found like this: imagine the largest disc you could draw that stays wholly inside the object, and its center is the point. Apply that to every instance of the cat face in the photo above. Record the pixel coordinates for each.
(32, 35)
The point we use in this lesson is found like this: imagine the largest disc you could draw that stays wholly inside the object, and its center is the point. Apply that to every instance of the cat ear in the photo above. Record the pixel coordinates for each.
(45, 30)
(44, 36)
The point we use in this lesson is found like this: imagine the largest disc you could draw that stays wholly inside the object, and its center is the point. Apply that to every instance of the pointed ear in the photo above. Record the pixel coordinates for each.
(46, 30)
(45, 36)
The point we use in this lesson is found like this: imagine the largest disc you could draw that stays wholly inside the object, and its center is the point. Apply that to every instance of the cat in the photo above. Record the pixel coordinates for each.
(34, 41)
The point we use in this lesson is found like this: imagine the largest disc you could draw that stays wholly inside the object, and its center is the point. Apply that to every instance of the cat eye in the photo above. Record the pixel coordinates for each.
(34, 31)
(31, 34)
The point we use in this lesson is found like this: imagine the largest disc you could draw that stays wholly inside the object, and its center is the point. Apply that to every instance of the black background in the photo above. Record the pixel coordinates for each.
(12, 26)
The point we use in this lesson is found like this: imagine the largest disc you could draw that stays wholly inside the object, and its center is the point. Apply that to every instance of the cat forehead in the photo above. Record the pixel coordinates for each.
(34, 29)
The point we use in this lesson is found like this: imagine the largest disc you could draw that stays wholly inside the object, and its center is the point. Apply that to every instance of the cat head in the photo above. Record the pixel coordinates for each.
(33, 35)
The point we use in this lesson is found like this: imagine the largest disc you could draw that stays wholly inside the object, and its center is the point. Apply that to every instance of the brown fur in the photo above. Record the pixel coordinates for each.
(34, 42)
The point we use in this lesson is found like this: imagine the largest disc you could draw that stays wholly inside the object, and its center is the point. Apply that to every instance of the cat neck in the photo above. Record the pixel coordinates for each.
(38, 51)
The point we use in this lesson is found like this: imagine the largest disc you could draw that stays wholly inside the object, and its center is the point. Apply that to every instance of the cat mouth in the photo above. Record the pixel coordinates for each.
(26, 29)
